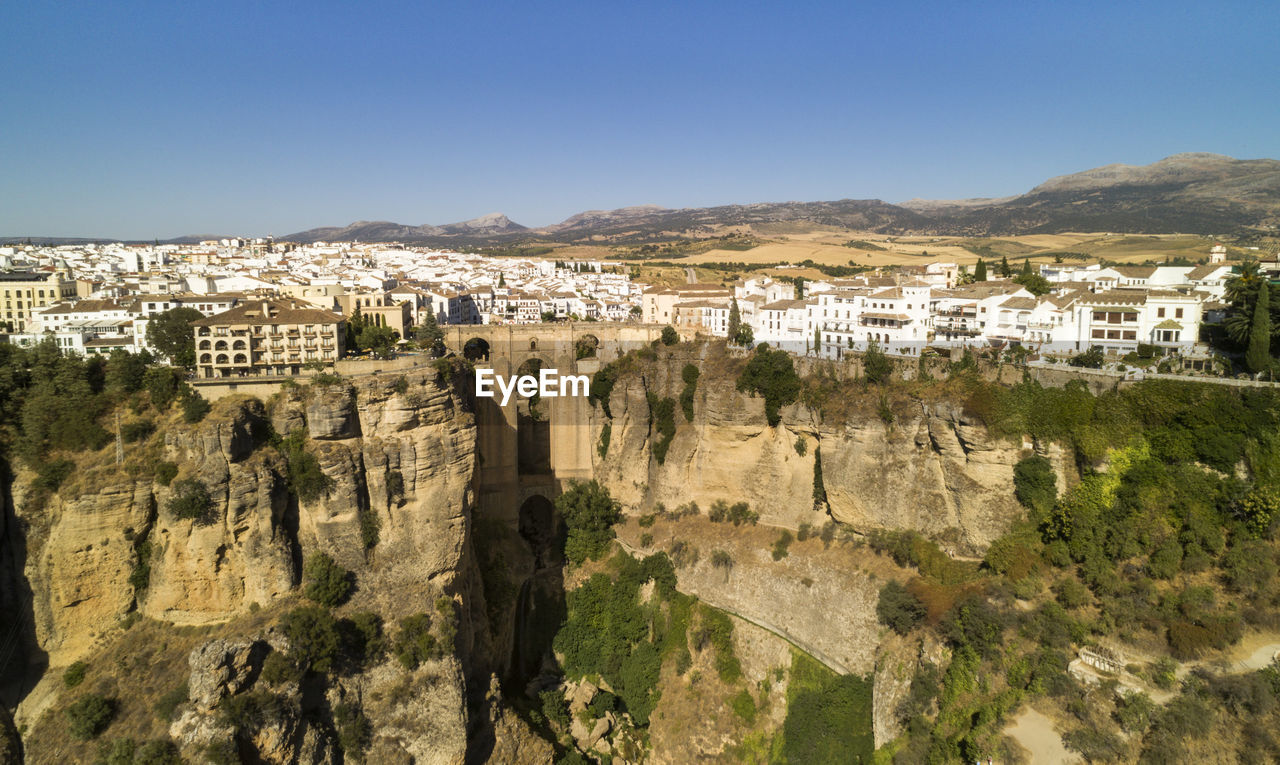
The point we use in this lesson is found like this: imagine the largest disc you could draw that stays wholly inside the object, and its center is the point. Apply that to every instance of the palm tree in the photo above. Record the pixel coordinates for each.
(1241, 294)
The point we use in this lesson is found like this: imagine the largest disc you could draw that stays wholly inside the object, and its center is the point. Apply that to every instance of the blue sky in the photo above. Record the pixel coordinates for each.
(141, 119)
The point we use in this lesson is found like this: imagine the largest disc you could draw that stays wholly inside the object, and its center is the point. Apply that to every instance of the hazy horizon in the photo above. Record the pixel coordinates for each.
(143, 120)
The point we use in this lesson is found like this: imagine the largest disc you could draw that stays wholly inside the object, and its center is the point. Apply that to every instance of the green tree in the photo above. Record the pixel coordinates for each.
(980, 271)
(428, 335)
(314, 640)
(1026, 267)
(90, 716)
(589, 513)
(1035, 283)
(327, 583)
(1258, 356)
(876, 366)
(171, 335)
(377, 339)
(772, 375)
(817, 341)
(670, 336)
(1005, 270)
(898, 608)
(735, 320)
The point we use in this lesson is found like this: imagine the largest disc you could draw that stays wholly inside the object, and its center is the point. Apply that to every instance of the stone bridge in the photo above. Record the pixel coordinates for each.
(528, 454)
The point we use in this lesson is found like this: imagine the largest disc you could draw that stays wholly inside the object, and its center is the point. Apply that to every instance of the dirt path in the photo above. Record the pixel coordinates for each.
(1254, 652)
(1034, 732)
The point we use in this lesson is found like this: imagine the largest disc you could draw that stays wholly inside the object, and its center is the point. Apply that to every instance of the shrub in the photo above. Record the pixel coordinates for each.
(771, 374)
(801, 446)
(716, 630)
(415, 643)
(662, 419)
(780, 546)
(690, 375)
(722, 559)
(74, 674)
(828, 716)
(1091, 358)
(605, 433)
(898, 608)
(306, 478)
(133, 432)
(1071, 593)
(51, 474)
(89, 716)
(669, 335)
(1035, 484)
(167, 705)
(250, 711)
(327, 583)
(191, 501)
(194, 406)
(166, 472)
(278, 669)
(354, 731)
(876, 366)
(744, 706)
(589, 513)
(313, 637)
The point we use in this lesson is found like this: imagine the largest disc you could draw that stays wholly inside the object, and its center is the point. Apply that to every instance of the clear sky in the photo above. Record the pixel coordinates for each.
(139, 119)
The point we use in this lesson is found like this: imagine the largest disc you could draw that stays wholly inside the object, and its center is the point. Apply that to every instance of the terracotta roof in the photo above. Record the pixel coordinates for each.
(1135, 272)
(1019, 303)
(277, 312)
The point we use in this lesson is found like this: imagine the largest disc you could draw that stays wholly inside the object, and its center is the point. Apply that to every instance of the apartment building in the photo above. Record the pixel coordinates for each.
(268, 337)
(1118, 320)
(25, 292)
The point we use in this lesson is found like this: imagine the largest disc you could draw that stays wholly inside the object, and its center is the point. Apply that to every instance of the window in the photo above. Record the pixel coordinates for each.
(1177, 313)
(1130, 335)
(1159, 313)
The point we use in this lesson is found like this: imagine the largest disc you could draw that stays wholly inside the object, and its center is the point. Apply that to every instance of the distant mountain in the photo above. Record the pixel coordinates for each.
(1185, 193)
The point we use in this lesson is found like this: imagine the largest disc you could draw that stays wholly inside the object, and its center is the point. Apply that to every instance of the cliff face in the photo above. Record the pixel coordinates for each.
(399, 454)
(932, 469)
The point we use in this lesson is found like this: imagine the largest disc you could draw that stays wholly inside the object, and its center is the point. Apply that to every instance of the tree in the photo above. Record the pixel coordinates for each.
(669, 335)
(379, 340)
(327, 583)
(746, 335)
(1091, 358)
(589, 513)
(771, 374)
(1026, 267)
(898, 608)
(817, 341)
(876, 366)
(89, 716)
(735, 320)
(980, 271)
(171, 335)
(428, 334)
(1005, 271)
(1035, 283)
(1258, 355)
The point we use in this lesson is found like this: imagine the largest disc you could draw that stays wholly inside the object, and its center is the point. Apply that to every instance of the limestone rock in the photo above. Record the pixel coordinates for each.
(220, 668)
(331, 413)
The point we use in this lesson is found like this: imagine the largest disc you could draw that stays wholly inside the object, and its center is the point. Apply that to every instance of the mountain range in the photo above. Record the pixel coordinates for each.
(1194, 193)
(1185, 193)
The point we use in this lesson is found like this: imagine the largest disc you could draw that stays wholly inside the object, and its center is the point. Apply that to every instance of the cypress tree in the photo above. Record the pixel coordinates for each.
(819, 488)
(980, 271)
(1004, 266)
(735, 321)
(1026, 267)
(1258, 356)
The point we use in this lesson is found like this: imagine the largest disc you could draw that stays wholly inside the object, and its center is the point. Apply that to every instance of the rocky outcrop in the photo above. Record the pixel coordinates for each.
(10, 746)
(398, 455)
(931, 469)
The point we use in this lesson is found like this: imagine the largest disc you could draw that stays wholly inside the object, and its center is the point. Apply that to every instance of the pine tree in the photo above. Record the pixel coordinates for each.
(735, 321)
(980, 271)
(1026, 267)
(1004, 266)
(1258, 356)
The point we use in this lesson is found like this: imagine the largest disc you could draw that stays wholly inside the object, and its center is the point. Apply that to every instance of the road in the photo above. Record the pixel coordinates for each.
(690, 275)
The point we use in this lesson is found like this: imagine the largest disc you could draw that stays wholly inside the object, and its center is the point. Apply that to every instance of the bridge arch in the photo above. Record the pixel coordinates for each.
(476, 349)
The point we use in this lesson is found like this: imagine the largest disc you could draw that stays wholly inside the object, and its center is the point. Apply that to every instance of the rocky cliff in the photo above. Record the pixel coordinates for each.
(901, 463)
(107, 547)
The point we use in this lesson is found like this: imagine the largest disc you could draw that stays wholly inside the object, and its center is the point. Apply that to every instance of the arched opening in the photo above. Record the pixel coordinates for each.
(533, 343)
(222, 359)
(204, 345)
(586, 347)
(476, 349)
(240, 359)
(221, 345)
(206, 358)
(238, 345)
